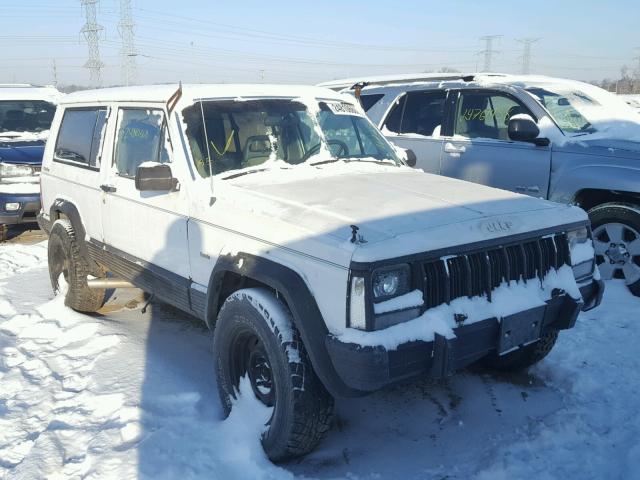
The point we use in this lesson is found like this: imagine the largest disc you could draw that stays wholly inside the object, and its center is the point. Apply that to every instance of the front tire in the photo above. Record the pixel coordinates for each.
(616, 240)
(254, 335)
(4, 231)
(524, 357)
(66, 260)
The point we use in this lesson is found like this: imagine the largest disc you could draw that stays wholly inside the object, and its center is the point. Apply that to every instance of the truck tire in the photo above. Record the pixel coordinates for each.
(524, 357)
(4, 230)
(616, 239)
(65, 259)
(254, 335)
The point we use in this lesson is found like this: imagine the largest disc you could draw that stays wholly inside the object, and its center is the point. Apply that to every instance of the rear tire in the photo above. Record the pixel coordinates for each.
(616, 239)
(524, 357)
(254, 335)
(65, 259)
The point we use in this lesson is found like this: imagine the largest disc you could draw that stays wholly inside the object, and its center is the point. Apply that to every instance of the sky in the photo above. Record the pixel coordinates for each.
(308, 42)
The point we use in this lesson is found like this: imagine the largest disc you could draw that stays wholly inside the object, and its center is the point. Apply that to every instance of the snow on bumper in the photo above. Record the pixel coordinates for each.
(371, 367)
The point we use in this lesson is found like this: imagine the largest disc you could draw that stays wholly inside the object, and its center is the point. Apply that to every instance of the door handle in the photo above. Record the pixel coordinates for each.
(451, 148)
(532, 188)
(108, 188)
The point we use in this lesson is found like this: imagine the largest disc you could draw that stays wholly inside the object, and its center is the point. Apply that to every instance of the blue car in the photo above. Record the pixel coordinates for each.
(26, 113)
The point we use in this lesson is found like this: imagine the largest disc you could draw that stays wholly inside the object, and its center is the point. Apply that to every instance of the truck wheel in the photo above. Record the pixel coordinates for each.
(65, 259)
(616, 239)
(523, 357)
(254, 335)
(4, 230)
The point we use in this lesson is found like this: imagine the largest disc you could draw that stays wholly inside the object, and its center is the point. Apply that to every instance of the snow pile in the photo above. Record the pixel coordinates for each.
(408, 300)
(507, 299)
(582, 252)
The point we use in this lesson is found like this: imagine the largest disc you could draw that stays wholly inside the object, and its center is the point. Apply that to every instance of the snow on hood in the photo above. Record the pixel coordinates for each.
(398, 210)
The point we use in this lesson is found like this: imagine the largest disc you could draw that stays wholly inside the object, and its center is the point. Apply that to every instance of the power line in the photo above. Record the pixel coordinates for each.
(526, 53)
(128, 50)
(91, 31)
(488, 51)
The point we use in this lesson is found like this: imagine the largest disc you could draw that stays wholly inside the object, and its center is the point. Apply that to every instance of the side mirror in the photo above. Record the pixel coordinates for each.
(411, 157)
(522, 128)
(155, 177)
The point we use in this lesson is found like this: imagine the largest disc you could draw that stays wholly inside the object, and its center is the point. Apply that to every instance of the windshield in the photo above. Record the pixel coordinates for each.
(25, 116)
(569, 108)
(237, 134)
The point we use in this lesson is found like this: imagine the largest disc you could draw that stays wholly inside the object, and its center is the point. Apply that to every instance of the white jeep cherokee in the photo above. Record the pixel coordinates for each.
(283, 219)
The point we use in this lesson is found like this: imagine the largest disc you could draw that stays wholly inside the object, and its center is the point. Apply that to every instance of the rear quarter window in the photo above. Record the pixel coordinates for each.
(80, 137)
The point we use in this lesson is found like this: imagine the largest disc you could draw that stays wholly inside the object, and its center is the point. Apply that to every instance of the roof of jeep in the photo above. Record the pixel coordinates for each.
(18, 91)
(449, 78)
(191, 93)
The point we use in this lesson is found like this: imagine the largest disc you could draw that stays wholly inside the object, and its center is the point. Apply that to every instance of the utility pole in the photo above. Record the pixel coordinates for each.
(526, 53)
(91, 31)
(128, 51)
(488, 51)
(55, 73)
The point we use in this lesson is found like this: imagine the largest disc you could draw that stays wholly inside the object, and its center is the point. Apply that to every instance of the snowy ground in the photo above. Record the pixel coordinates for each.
(126, 394)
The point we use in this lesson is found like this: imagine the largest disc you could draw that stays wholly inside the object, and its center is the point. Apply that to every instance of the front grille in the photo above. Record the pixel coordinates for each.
(478, 273)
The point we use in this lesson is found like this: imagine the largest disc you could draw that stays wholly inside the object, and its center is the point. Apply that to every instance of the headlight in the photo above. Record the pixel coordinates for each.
(577, 236)
(391, 281)
(10, 170)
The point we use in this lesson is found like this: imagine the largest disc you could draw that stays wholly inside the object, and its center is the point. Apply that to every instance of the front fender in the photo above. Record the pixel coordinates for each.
(298, 297)
(568, 181)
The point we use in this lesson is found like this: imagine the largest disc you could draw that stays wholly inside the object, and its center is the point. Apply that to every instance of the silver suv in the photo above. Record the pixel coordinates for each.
(557, 139)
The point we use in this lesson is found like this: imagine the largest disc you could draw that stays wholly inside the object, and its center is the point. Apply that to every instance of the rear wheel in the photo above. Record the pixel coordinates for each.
(524, 357)
(616, 240)
(66, 262)
(254, 336)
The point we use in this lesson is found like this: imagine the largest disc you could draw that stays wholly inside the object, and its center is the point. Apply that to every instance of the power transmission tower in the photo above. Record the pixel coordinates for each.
(526, 53)
(128, 50)
(488, 51)
(55, 73)
(91, 31)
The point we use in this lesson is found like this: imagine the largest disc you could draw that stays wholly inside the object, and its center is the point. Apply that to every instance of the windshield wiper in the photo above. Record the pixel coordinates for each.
(323, 162)
(240, 174)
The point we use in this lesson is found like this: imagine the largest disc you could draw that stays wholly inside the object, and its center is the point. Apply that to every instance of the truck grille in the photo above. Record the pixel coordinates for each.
(478, 273)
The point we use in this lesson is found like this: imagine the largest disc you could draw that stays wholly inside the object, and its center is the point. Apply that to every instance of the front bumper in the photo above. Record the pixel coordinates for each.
(26, 213)
(370, 368)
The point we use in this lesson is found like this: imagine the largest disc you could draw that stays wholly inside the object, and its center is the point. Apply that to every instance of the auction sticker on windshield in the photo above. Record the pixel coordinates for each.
(343, 108)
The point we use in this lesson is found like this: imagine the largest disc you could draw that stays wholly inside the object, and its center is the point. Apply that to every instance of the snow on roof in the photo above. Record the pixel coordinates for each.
(191, 93)
(19, 91)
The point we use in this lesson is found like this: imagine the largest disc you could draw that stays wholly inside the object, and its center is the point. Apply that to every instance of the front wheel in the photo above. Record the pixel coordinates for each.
(66, 263)
(254, 336)
(616, 240)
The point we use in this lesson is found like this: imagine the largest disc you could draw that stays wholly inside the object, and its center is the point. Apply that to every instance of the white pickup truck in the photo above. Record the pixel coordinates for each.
(281, 217)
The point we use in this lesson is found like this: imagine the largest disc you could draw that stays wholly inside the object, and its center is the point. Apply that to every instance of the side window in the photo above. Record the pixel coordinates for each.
(423, 113)
(141, 138)
(80, 137)
(368, 101)
(486, 114)
(394, 119)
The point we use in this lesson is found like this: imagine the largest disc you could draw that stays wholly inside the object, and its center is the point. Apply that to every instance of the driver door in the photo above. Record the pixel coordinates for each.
(150, 227)
(480, 150)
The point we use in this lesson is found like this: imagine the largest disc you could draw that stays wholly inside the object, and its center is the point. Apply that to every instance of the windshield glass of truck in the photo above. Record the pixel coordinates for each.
(25, 116)
(241, 134)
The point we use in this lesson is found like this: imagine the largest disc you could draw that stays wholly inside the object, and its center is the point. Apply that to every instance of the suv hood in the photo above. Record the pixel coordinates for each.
(398, 211)
(18, 151)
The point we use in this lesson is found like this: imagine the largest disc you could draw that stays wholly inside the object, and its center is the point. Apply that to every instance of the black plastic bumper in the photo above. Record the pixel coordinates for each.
(27, 211)
(371, 368)
(592, 294)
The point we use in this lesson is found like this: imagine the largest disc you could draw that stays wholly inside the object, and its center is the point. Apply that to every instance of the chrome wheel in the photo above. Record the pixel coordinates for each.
(617, 248)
